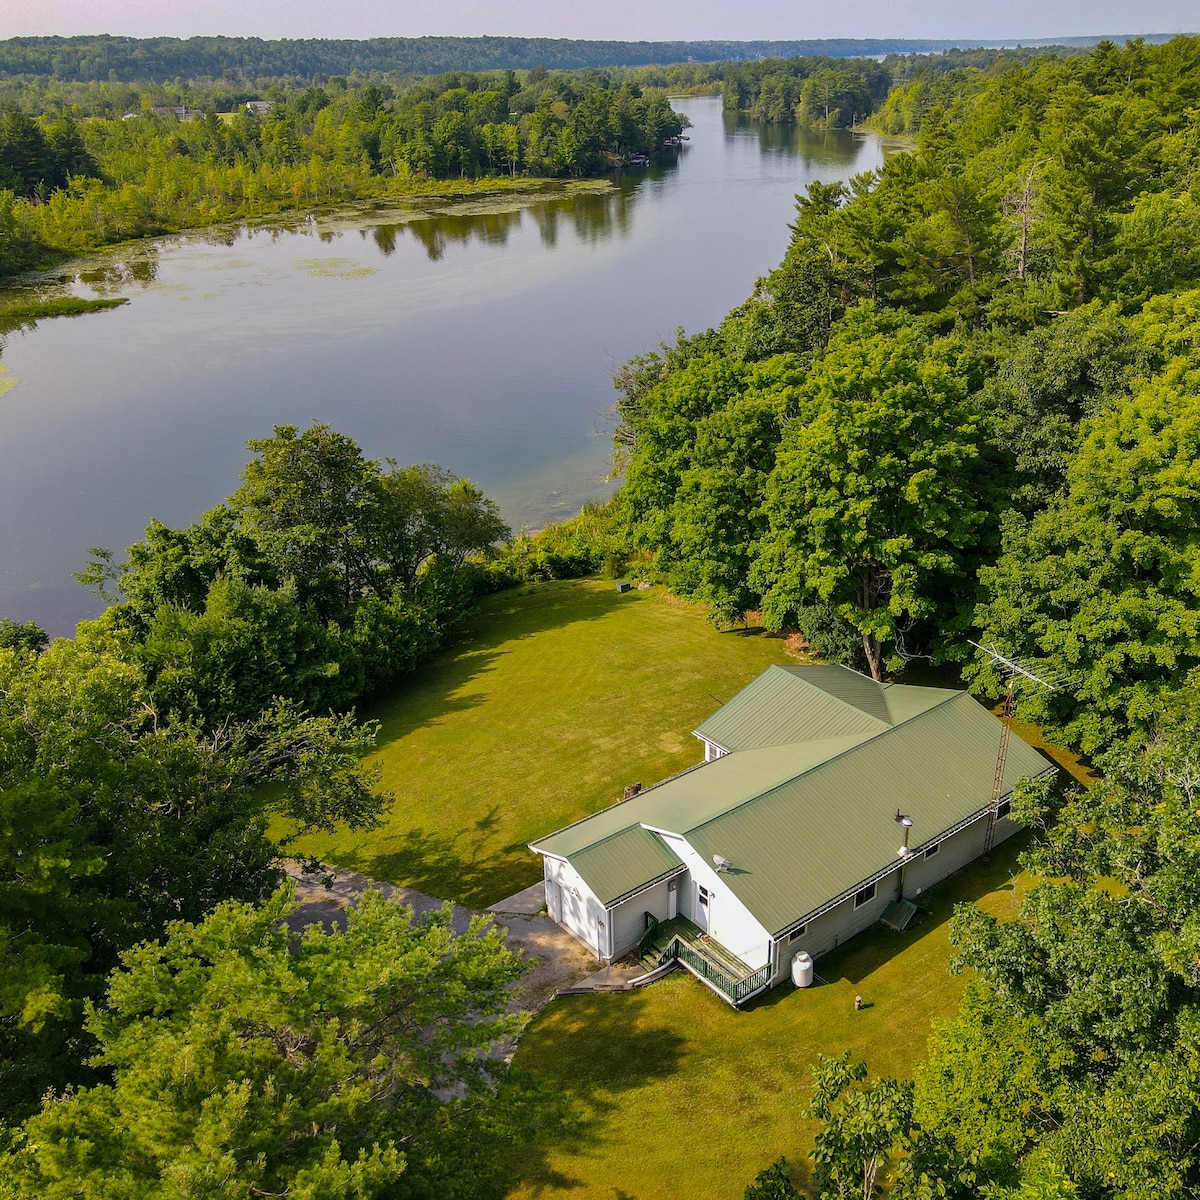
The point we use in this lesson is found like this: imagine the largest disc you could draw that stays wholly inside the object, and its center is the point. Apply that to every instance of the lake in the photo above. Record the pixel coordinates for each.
(481, 336)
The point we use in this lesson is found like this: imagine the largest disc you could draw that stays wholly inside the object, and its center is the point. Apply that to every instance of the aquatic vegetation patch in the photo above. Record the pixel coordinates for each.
(24, 314)
(334, 268)
(462, 202)
(8, 380)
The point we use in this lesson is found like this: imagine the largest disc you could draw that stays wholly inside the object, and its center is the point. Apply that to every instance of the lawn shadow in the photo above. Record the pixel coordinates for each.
(420, 706)
(610, 1052)
(868, 951)
(432, 691)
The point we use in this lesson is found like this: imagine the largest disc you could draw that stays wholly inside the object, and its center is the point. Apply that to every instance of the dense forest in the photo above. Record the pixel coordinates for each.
(829, 93)
(817, 92)
(71, 182)
(140, 766)
(85, 164)
(966, 405)
(303, 60)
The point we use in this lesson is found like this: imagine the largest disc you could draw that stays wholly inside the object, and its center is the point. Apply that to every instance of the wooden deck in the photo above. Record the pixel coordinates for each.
(707, 959)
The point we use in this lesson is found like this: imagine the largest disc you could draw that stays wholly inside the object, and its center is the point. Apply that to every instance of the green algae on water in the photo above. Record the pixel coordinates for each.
(334, 268)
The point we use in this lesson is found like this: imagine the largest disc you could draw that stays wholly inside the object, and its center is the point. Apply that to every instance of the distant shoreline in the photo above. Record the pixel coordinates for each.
(85, 58)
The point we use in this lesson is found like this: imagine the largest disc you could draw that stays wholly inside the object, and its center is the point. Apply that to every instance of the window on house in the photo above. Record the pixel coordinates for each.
(865, 896)
(933, 850)
(1003, 809)
(702, 894)
(798, 932)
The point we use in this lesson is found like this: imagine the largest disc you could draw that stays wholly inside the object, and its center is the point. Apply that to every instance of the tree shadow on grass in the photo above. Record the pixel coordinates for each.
(407, 712)
(450, 868)
(591, 1053)
(432, 692)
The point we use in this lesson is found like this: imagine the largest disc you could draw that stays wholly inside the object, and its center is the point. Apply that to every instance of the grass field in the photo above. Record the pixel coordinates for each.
(675, 1094)
(558, 696)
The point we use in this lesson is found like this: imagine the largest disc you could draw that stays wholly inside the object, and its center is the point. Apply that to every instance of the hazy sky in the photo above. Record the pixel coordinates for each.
(615, 19)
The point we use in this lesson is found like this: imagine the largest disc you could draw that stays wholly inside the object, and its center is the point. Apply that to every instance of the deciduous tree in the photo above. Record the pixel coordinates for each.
(872, 504)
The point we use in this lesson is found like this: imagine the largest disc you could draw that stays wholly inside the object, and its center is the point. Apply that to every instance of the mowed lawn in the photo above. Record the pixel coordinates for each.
(675, 1094)
(557, 697)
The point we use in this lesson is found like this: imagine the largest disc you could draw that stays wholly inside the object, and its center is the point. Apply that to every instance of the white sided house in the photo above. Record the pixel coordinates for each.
(789, 837)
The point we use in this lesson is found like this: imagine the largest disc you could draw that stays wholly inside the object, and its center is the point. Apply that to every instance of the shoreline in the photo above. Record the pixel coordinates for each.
(44, 292)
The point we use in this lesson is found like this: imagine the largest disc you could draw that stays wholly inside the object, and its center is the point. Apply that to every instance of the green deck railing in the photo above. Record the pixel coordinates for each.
(648, 932)
(733, 989)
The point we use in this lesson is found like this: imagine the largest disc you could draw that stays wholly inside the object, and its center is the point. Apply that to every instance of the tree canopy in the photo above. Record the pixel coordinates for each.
(1097, 591)
(325, 577)
(118, 817)
(141, 763)
(247, 1061)
(871, 505)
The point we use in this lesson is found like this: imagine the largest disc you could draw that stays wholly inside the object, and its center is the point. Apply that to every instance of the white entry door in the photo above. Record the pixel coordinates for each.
(702, 906)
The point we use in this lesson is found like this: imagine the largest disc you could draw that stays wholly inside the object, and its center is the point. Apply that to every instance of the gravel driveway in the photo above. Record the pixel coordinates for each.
(559, 961)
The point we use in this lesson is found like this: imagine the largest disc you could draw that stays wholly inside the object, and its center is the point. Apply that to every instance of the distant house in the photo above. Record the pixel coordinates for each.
(259, 107)
(180, 112)
(788, 837)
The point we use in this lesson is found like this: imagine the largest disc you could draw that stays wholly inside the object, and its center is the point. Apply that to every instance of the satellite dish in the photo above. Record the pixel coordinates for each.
(721, 862)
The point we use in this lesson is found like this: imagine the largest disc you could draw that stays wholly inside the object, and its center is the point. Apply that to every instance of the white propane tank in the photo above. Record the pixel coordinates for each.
(802, 969)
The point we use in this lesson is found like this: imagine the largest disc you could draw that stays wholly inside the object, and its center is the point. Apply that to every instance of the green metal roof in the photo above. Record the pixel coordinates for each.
(804, 822)
(785, 705)
(698, 795)
(625, 862)
(817, 836)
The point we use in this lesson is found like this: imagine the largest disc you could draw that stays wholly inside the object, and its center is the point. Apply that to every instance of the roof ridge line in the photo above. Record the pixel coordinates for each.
(841, 699)
(824, 763)
(608, 837)
(787, 667)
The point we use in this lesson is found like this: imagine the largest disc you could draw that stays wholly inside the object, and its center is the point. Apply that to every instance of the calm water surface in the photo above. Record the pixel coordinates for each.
(484, 341)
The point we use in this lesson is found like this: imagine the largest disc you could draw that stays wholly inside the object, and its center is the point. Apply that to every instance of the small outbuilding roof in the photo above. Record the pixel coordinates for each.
(819, 760)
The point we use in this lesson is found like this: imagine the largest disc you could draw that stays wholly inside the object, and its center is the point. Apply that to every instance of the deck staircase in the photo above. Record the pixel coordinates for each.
(679, 940)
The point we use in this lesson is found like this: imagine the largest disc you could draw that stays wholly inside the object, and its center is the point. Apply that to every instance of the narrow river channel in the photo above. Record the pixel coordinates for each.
(482, 337)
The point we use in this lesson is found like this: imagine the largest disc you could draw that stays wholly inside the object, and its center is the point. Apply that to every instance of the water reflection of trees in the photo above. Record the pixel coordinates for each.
(816, 147)
(593, 216)
(115, 274)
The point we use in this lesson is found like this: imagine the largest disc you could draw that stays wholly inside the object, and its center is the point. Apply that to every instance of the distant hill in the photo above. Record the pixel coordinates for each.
(123, 59)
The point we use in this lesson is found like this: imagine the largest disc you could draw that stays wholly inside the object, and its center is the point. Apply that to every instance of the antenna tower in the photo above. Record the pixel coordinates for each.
(1012, 669)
